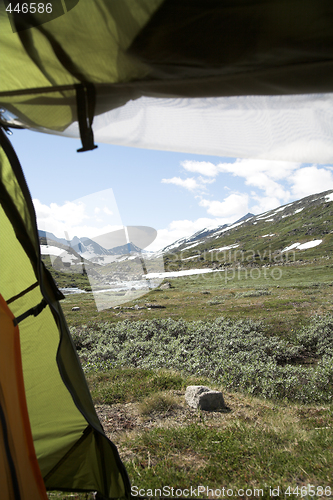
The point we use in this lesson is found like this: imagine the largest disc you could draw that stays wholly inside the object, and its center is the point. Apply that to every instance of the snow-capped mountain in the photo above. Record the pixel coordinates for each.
(193, 240)
(298, 226)
(86, 247)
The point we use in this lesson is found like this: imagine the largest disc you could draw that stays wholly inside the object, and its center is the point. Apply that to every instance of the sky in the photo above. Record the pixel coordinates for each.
(177, 194)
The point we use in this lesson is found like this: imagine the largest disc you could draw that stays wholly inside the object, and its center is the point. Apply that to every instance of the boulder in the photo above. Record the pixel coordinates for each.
(199, 396)
(165, 286)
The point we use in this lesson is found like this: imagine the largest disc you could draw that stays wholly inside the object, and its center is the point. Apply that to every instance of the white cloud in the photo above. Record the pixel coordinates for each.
(264, 203)
(181, 229)
(201, 167)
(310, 180)
(190, 183)
(202, 180)
(249, 168)
(75, 212)
(230, 209)
(71, 218)
(276, 183)
(262, 174)
(268, 177)
(107, 211)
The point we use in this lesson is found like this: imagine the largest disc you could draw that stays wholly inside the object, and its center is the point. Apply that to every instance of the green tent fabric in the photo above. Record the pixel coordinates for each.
(97, 61)
(117, 52)
(71, 447)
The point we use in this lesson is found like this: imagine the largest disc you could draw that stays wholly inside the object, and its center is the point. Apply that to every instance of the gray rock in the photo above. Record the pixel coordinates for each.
(165, 286)
(154, 306)
(199, 396)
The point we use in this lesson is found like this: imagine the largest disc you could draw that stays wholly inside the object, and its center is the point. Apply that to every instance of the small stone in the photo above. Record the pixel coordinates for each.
(199, 396)
(165, 286)
(155, 306)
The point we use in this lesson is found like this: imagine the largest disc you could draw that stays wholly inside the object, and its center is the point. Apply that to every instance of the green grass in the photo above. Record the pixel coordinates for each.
(284, 305)
(256, 444)
(238, 456)
(266, 440)
(289, 304)
(127, 385)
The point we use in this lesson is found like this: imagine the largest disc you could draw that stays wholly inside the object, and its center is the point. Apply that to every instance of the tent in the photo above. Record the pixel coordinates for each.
(72, 450)
(222, 77)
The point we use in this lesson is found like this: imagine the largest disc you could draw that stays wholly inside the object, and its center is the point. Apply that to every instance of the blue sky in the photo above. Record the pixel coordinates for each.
(175, 193)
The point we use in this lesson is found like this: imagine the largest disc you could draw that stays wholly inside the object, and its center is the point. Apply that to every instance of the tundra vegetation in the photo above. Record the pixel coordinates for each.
(259, 328)
(267, 344)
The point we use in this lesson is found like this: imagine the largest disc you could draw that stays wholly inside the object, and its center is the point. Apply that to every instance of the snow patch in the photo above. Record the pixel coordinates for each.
(177, 274)
(282, 208)
(191, 246)
(309, 244)
(265, 235)
(262, 217)
(329, 197)
(51, 250)
(229, 247)
(59, 252)
(232, 226)
(271, 213)
(291, 247)
(303, 246)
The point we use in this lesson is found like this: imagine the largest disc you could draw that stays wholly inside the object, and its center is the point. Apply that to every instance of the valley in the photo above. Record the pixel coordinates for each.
(246, 309)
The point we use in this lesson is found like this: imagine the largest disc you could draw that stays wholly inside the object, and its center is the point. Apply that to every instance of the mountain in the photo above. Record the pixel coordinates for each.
(51, 236)
(85, 247)
(203, 233)
(300, 231)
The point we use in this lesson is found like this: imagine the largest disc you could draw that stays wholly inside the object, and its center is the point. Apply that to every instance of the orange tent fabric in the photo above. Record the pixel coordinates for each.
(20, 476)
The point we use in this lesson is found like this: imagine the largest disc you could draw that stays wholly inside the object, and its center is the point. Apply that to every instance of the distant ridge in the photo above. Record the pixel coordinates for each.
(304, 227)
(85, 246)
(203, 233)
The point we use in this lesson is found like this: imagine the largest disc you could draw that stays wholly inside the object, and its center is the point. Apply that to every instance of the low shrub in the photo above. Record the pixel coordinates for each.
(317, 337)
(238, 354)
(253, 293)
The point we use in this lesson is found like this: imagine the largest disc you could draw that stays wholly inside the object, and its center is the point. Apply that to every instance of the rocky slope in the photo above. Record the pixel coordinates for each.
(296, 232)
